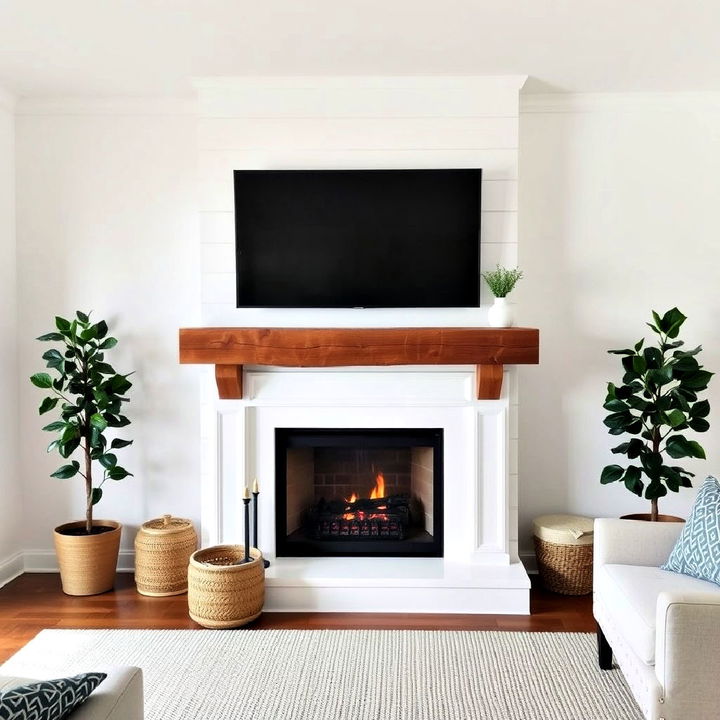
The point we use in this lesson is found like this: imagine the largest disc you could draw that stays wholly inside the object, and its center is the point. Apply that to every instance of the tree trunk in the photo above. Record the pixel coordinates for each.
(654, 510)
(88, 487)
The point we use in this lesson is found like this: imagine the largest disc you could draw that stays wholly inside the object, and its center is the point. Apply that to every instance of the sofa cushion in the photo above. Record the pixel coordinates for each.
(697, 550)
(630, 592)
(48, 699)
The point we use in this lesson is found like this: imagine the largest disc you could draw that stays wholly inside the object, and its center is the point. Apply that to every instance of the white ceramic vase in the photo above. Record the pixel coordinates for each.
(501, 314)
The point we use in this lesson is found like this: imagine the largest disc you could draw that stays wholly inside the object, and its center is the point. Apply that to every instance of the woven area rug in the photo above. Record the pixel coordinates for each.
(346, 674)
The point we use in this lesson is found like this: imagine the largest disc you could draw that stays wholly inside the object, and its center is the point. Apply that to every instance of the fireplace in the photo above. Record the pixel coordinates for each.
(359, 492)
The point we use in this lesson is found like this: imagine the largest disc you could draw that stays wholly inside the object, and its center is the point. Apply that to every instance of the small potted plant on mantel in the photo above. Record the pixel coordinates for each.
(655, 403)
(501, 282)
(91, 396)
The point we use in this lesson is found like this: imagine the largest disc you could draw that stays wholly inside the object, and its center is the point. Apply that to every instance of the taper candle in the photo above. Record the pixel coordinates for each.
(246, 501)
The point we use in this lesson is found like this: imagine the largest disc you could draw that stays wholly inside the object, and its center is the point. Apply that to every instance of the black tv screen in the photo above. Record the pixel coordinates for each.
(357, 238)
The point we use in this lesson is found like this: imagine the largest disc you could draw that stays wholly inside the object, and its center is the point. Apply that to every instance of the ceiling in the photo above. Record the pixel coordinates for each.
(154, 47)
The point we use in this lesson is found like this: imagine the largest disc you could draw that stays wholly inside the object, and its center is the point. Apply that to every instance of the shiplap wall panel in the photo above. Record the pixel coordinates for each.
(357, 133)
(215, 167)
(359, 123)
(360, 97)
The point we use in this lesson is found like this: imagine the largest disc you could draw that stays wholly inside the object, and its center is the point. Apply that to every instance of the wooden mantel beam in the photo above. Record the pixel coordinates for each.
(231, 348)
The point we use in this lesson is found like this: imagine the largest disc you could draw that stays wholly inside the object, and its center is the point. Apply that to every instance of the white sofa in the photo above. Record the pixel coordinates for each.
(662, 628)
(118, 697)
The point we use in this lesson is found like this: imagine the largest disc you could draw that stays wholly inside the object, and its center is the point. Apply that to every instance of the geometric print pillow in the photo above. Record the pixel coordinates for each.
(48, 699)
(697, 550)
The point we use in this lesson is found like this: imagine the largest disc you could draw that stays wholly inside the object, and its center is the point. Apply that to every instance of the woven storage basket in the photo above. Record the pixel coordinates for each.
(163, 547)
(564, 552)
(222, 595)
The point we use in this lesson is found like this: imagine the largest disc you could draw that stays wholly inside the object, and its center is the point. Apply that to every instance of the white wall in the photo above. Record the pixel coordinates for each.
(107, 221)
(618, 216)
(10, 497)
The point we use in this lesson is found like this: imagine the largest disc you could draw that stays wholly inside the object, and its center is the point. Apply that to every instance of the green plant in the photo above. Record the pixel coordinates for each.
(92, 396)
(657, 400)
(502, 281)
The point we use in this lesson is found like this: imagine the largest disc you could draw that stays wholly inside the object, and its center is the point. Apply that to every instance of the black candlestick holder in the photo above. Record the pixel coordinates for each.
(266, 563)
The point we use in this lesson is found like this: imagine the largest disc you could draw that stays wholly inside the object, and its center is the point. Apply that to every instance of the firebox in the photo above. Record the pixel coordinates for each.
(359, 492)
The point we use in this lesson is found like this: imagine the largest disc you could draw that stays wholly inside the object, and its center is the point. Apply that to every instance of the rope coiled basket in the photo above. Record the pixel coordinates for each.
(222, 594)
(163, 547)
(564, 553)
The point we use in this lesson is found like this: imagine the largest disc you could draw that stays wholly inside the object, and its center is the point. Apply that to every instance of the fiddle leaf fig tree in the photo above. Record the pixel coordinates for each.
(655, 404)
(91, 395)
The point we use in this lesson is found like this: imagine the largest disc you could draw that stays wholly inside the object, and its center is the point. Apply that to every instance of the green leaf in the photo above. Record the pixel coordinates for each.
(62, 325)
(47, 404)
(118, 473)
(620, 449)
(679, 446)
(67, 471)
(700, 409)
(615, 405)
(82, 317)
(68, 448)
(618, 420)
(639, 344)
(675, 418)
(655, 490)
(102, 329)
(651, 461)
(117, 443)
(89, 334)
(626, 351)
(699, 425)
(662, 376)
(611, 473)
(52, 336)
(53, 426)
(96, 497)
(41, 380)
(653, 357)
(697, 381)
(108, 460)
(632, 480)
(108, 343)
(671, 322)
(98, 422)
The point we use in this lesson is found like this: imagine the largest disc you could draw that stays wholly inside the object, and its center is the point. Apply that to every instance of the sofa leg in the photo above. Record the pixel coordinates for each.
(605, 658)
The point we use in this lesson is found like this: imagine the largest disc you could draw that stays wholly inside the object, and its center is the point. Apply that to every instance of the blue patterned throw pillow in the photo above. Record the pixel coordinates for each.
(697, 550)
(48, 699)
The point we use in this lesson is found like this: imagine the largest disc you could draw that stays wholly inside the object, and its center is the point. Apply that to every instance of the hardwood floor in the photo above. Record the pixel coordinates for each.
(34, 602)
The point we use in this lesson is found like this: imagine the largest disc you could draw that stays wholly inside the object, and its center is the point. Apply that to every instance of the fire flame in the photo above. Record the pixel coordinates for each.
(376, 493)
(379, 490)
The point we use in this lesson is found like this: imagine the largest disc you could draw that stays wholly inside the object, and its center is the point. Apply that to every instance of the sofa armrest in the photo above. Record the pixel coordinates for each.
(687, 652)
(118, 697)
(633, 542)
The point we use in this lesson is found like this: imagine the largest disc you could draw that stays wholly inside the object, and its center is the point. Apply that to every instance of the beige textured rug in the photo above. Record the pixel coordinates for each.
(346, 674)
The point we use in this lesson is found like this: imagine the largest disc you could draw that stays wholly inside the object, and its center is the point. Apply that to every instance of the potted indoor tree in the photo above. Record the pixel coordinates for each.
(91, 395)
(501, 282)
(656, 402)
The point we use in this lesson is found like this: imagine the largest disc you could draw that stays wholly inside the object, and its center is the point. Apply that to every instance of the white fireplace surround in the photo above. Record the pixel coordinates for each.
(477, 574)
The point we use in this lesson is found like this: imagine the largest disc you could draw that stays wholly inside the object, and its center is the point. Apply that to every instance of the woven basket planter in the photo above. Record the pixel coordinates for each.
(564, 553)
(222, 595)
(162, 552)
(87, 562)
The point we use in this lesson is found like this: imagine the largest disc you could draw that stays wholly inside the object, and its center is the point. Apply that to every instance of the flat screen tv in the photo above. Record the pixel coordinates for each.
(357, 238)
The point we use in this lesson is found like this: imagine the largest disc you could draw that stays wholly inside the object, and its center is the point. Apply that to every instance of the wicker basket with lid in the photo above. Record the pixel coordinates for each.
(163, 547)
(564, 551)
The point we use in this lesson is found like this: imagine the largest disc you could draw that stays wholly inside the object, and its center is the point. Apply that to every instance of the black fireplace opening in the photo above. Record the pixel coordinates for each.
(359, 492)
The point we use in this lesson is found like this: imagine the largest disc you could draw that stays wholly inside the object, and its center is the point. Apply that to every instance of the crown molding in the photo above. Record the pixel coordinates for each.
(7, 101)
(115, 106)
(550, 103)
(510, 82)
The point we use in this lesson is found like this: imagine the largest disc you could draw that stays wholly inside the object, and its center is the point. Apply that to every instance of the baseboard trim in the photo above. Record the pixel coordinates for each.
(11, 567)
(45, 561)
